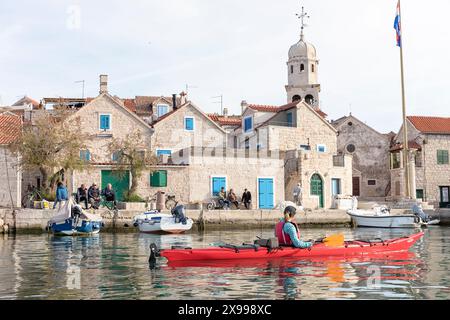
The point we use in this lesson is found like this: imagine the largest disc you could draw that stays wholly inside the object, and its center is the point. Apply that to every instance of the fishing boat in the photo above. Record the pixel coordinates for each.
(355, 248)
(72, 220)
(157, 222)
(380, 217)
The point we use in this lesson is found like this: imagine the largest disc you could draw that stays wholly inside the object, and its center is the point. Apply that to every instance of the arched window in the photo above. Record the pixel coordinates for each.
(302, 67)
(313, 68)
(292, 69)
(296, 98)
(309, 99)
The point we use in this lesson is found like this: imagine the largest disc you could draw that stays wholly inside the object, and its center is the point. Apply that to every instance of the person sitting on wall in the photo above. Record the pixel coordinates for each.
(109, 194)
(233, 198)
(82, 195)
(247, 199)
(223, 201)
(94, 196)
(288, 232)
(61, 195)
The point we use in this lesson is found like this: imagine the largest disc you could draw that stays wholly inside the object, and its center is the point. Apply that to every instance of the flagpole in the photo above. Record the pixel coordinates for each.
(405, 127)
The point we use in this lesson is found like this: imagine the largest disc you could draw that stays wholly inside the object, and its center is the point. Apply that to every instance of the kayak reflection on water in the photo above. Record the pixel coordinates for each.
(288, 232)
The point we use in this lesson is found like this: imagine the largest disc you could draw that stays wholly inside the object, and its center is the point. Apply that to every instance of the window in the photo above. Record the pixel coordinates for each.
(290, 119)
(189, 123)
(372, 182)
(161, 152)
(105, 122)
(116, 156)
(292, 69)
(420, 194)
(162, 109)
(350, 124)
(396, 162)
(305, 147)
(302, 67)
(418, 159)
(217, 184)
(158, 179)
(313, 69)
(321, 148)
(442, 156)
(351, 148)
(296, 98)
(339, 161)
(248, 124)
(247, 143)
(336, 186)
(85, 155)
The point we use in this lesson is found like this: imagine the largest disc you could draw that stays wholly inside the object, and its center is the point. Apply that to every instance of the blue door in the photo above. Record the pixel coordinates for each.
(265, 193)
(217, 184)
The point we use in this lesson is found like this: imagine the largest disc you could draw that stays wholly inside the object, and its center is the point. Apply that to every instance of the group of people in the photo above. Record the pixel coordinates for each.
(226, 200)
(91, 196)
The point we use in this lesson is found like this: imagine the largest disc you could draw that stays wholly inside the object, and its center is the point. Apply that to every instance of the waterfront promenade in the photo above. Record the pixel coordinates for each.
(33, 220)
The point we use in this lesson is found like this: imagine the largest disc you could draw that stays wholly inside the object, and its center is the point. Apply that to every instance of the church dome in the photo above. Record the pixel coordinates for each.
(302, 49)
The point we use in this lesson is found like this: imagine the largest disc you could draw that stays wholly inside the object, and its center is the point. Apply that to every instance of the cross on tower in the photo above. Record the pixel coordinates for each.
(302, 17)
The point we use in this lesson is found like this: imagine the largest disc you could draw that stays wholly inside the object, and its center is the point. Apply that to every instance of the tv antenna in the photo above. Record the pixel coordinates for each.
(190, 87)
(221, 102)
(82, 92)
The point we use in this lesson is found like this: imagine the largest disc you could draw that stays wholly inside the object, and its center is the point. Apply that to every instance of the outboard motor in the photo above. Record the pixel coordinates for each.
(179, 212)
(418, 211)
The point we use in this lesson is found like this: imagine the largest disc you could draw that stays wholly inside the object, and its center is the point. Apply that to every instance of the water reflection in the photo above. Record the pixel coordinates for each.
(115, 266)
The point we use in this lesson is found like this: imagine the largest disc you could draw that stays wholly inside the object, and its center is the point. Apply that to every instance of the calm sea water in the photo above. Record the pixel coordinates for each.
(114, 266)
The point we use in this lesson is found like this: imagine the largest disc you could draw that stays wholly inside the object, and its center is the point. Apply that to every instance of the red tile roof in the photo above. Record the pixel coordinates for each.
(226, 121)
(411, 145)
(264, 108)
(130, 104)
(10, 128)
(435, 125)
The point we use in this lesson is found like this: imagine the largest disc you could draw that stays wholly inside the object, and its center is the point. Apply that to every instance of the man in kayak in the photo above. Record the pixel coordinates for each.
(287, 231)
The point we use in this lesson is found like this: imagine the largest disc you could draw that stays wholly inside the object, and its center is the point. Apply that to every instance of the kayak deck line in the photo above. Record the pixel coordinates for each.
(232, 252)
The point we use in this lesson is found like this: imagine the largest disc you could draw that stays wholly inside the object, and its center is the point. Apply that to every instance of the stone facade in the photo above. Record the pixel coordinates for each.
(370, 150)
(11, 179)
(427, 176)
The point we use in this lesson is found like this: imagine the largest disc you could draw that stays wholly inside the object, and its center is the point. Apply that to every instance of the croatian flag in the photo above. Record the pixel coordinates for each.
(398, 26)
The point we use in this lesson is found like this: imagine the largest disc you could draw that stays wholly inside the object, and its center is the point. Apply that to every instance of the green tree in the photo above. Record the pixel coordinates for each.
(51, 145)
(132, 154)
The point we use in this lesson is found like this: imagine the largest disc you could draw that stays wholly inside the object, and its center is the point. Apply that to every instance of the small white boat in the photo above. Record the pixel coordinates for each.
(380, 217)
(156, 222)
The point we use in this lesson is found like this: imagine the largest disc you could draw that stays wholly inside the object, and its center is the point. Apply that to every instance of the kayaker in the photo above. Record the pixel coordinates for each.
(287, 230)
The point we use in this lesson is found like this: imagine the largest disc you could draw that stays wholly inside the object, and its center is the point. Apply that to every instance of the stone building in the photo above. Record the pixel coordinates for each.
(370, 151)
(429, 166)
(10, 173)
(300, 133)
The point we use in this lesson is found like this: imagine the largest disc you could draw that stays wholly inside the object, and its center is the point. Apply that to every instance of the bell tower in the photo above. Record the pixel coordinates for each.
(303, 68)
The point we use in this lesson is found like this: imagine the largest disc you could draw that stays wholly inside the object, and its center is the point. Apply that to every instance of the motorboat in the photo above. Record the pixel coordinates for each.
(72, 220)
(157, 222)
(380, 217)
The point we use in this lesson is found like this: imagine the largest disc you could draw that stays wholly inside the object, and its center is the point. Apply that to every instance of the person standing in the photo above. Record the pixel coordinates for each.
(61, 195)
(247, 199)
(298, 194)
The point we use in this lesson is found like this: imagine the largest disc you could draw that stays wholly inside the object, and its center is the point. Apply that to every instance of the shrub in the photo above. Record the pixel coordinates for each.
(132, 198)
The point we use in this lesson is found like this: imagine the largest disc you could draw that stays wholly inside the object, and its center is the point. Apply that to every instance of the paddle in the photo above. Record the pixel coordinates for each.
(335, 240)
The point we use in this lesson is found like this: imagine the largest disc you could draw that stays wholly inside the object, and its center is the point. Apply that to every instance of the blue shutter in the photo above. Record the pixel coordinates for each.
(289, 120)
(189, 124)
(248, 124)
(266, 198)
(217, 185)
(105, 122)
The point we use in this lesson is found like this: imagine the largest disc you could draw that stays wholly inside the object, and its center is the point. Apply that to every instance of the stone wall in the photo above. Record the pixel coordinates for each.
(371, 155)
(10, 179)
(170, 133)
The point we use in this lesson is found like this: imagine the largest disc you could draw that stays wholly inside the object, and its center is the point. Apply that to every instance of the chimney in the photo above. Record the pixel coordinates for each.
(225, 112)
(174, 101)
(103, 83)
(183, 98)
(244, 105)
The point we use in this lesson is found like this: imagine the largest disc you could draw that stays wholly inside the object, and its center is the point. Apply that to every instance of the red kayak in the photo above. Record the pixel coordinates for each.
(350, 248)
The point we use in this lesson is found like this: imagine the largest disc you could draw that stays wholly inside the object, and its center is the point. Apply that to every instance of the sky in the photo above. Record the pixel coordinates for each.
(234, 48)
